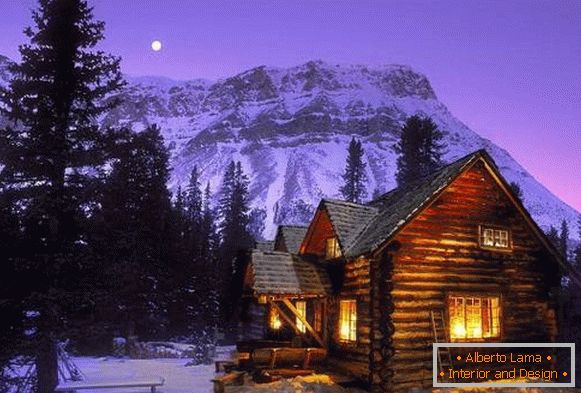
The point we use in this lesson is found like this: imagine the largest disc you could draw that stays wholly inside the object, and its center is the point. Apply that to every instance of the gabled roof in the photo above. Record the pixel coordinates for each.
(364, 228)
(283, 273)
(398, 206)
(348, 219)
(292, 235)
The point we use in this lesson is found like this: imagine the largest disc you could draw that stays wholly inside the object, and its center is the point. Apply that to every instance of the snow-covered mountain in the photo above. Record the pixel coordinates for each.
(290, 128)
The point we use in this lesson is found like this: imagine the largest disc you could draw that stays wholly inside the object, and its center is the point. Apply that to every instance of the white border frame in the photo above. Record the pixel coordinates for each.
(437, 384)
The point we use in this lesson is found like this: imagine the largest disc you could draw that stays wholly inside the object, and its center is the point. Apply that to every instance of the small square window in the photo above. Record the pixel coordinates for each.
(494, 238)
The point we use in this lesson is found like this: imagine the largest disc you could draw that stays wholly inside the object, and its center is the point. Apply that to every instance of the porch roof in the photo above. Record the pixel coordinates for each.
(282, 273)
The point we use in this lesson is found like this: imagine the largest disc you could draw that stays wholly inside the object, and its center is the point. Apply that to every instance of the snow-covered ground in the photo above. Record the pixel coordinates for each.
(178, 377)
(181, 378)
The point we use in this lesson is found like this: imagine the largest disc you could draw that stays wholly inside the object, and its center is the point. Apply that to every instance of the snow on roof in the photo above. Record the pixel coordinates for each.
(278, 272)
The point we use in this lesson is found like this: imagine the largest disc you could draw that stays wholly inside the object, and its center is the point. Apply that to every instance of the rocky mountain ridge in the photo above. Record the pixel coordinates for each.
(290, 128)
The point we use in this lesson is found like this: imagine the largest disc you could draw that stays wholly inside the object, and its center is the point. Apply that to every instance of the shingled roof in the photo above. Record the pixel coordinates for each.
(348, 219)
(265, 245)
(292, 236)
(283, 273)
(398, 206)
(363, 228)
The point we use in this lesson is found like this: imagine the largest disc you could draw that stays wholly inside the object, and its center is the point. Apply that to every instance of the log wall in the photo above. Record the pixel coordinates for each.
(352, 357)
(439, 254)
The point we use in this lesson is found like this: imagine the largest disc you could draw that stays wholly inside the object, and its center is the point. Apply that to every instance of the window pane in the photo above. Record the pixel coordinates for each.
(474, 317)
(502, 238)
(275, 322)
(302, 309)
(333, 250)
(347, 320)
(499, 238)
(457, 320)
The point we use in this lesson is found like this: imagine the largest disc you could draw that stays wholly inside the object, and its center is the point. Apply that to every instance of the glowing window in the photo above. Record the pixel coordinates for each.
(347, 320)
(333, 250)
(302, 309)
(474, 317)
(496, 238)
(275, 322)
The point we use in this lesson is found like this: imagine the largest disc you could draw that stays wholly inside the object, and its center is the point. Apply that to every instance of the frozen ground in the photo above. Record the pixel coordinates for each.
(180, 378)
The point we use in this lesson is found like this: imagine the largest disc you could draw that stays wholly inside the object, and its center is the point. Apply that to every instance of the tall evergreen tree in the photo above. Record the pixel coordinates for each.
(553, 236)
(516, 188)
(233, 212)
(56, 93)
(564, 239)
(135, 243)
(419, 149)
(194, 198)
(354, 177)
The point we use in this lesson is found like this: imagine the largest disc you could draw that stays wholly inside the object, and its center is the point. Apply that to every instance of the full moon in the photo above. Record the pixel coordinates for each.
(156, 45)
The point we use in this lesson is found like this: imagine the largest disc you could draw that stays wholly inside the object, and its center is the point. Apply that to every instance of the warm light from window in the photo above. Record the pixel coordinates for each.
(347, 320)
(275, 322)
(497, 238)
(333, 250)
(474, 317)
(302, 309)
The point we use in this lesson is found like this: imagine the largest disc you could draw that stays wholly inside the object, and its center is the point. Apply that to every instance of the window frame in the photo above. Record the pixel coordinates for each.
(318, 311)
(483, 227)
(349, 340)
(480, 296)
(337, 253)
(303, 312)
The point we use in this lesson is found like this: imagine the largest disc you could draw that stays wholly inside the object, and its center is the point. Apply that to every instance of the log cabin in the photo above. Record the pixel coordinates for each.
(368, 280)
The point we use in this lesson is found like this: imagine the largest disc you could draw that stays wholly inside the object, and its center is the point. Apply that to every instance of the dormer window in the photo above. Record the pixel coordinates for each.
(333, 250)
(494, 238)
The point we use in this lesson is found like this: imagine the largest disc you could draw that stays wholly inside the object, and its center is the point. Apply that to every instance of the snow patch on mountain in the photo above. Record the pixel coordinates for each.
(290, 128)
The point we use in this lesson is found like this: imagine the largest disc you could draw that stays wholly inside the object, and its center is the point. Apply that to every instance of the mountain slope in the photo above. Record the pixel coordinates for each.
(290, 127)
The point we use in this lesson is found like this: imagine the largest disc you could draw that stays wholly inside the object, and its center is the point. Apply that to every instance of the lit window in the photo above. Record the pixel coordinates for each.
(318, 316)
(275, 322)
(347, 320)
(333, 250)
(497, 238)
(302, 309)
(474, 317)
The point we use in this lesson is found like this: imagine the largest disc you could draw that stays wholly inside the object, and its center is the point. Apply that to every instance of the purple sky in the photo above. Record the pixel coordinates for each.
(511, 70)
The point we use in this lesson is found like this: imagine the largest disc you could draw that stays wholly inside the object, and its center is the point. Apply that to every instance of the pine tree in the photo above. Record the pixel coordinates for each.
(56, 93)
(419, 149)
(136, 219)
(354, 177)
(233, 212)
(194, 197)
(516, 188)
(553, 236)
(564, 239)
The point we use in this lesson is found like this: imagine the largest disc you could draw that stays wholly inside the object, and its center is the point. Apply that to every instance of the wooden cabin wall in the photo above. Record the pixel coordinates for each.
(440, 254)
(317, 236)
(352, 358)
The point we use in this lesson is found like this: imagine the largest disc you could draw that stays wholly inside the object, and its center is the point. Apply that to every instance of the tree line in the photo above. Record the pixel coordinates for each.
(92, 244)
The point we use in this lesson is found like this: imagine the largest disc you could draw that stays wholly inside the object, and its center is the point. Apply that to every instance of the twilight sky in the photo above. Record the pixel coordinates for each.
(511, 70)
